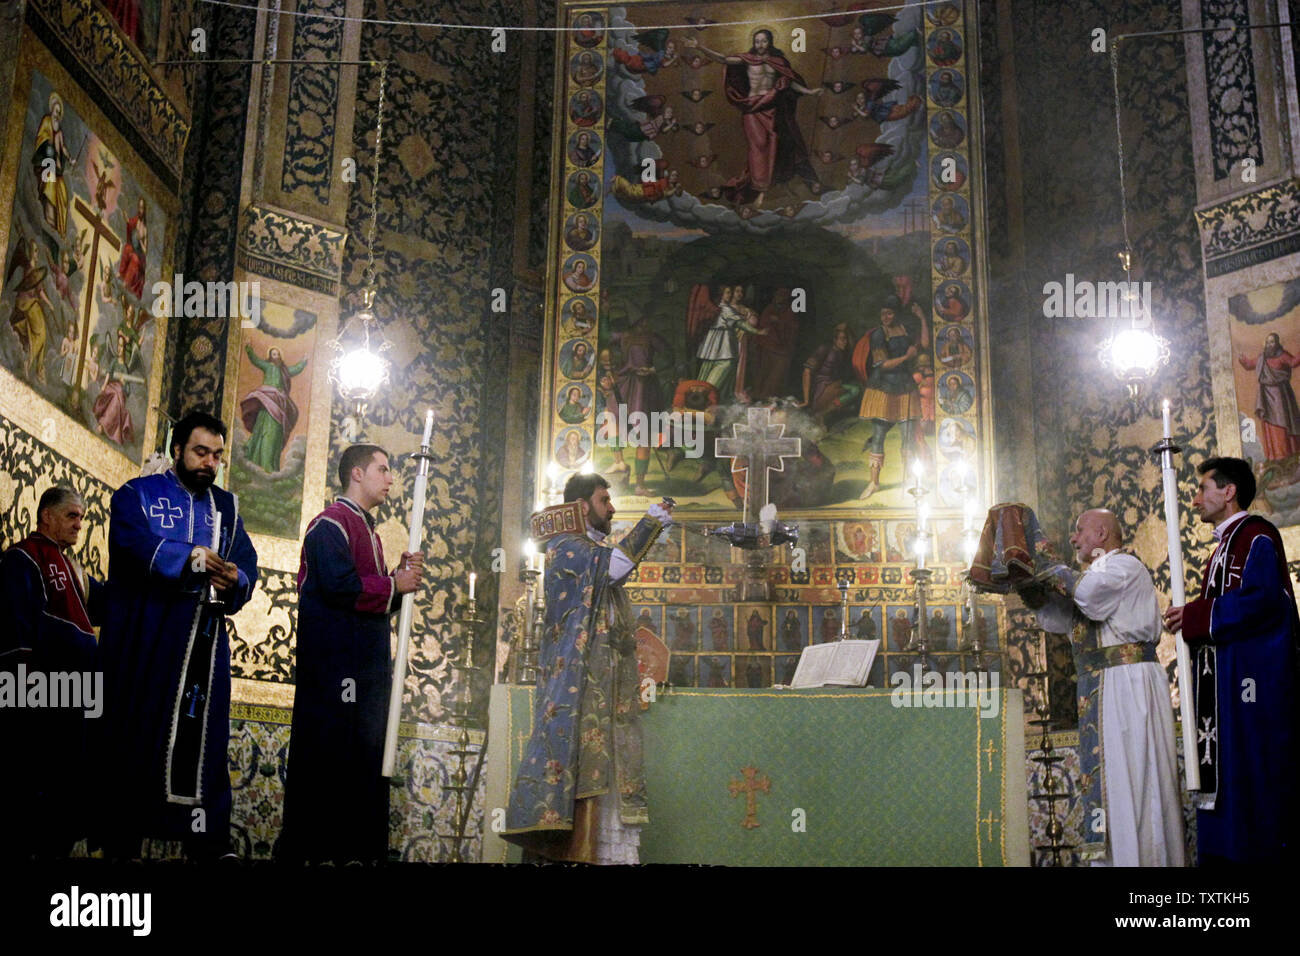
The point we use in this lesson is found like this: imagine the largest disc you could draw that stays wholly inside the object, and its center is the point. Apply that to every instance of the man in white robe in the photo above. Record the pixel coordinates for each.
(1135, 815)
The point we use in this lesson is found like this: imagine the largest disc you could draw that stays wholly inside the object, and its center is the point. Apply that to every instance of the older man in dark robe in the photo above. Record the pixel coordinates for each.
(52, 607)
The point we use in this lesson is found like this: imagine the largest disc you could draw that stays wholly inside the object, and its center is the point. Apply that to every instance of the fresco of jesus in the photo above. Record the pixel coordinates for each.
(765, 88)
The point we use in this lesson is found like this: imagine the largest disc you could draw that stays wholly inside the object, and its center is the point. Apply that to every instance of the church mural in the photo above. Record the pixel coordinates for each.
(140, 21)
(767, 215)
(272, 394)
(1264, 328)
(85, 242)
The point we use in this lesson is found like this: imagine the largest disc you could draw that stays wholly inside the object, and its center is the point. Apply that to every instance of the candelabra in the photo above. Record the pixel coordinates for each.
(534, 615)
(844, 608)
(921, 575)
(462, 717)
(1052, 791)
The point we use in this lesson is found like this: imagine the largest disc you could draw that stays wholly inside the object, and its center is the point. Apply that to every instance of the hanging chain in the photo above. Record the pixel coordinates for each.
(1126, 257)
(374, 183)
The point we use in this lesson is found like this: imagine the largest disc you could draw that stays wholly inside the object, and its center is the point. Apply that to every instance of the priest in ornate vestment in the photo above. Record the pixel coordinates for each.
(52, 606)
(179, 561)
(579, 794)
(1132, 807)
(1242, 632)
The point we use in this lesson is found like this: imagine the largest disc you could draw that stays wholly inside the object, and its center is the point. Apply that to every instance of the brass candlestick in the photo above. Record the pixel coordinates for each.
(1052, 791)
(844, 608)
(534, 620)
(462, 716)
(920, 636)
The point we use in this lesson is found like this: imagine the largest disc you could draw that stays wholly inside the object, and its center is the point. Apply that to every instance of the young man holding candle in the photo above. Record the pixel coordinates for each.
(336, 797)
(1242, 634)
(579, 794)
(1132, 808)
(178, 563)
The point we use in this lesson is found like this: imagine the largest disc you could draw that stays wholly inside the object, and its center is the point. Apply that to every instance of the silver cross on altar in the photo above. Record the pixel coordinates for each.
(756, 448)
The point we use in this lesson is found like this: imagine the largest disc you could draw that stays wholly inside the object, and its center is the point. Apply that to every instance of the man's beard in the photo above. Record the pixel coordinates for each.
(1272, 349)
(600, 524)
(195, 480)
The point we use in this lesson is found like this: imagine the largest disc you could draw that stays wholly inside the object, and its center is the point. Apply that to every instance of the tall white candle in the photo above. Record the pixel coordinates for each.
(428, 427)
(473, 577)
(216, 531)
(1168, 427)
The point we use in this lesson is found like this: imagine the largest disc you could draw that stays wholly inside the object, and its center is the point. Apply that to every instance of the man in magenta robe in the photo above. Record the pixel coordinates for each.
(1243, 633)
(764, 87)
(335, 794)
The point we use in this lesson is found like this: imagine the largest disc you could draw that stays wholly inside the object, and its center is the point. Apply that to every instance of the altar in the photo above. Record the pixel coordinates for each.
(822, 777)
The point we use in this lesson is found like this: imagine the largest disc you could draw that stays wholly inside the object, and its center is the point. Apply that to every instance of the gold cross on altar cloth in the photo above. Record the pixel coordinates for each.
(989, 751)
(988, 820)
(752, 785)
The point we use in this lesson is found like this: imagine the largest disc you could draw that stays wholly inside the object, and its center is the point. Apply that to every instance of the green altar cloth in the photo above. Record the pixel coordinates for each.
(825, 777)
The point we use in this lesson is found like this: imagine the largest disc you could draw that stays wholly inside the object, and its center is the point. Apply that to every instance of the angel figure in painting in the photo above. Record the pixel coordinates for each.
(720, 326)
(112, 417)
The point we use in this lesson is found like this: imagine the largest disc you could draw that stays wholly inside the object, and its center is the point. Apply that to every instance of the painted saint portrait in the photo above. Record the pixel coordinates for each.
(950, 213)
(268, 452)
(577, 358)
(949, 171)
(1264, 328)
(581, 232)
(955, 347)
(586, 68)
(587, 28)
(578, 316)
(584, 148)
(572, 448)
(580, 273)
(583, 189)
(585, 107)
(952, 257)
(944, 47)
(952, 301)
(574, 402)
(948, 129)
(947, 87)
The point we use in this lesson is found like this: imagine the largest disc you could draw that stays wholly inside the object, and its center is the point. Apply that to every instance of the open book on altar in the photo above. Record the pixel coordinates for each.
(837, 664)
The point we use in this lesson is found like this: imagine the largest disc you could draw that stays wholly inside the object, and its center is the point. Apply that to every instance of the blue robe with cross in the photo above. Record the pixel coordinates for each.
(166, 663)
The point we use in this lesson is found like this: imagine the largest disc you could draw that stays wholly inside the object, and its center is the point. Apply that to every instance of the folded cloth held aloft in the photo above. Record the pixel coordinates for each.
(1014, 552)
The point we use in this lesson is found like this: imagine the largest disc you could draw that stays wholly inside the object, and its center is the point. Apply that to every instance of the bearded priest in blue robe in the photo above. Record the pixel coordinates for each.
(52, 606)
(179, 561)
(579, 793)
(1242, 633)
